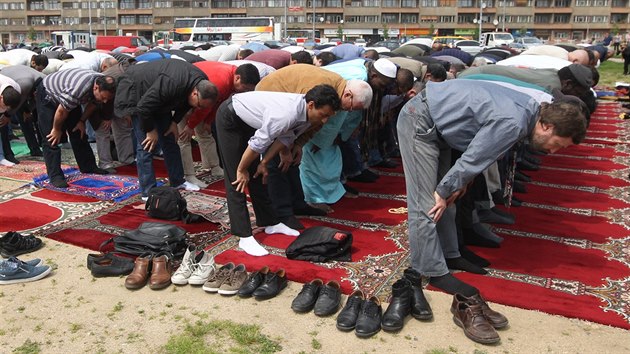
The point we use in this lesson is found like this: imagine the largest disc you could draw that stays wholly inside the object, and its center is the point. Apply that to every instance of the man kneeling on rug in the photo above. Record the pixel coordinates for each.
(483, 120)
(254, 123)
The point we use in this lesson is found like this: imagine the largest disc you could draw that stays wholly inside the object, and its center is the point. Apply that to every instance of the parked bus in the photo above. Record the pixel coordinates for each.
(191, 31)
(301, 35)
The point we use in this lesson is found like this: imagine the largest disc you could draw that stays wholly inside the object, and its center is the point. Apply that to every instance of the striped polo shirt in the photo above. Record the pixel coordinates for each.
(70, 88)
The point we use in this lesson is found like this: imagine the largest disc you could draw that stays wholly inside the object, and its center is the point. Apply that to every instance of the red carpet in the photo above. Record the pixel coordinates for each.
(567, 254)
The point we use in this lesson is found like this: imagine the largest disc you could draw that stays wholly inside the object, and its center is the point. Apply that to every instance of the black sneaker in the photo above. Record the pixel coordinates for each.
(13, 244)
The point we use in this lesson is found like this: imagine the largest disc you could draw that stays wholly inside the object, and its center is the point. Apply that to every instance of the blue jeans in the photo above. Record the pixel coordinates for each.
(144, 159)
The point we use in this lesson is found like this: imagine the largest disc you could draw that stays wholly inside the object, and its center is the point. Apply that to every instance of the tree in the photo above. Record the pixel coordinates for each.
(340, 32)
(385, 31)
(432, 29)
(32, 35)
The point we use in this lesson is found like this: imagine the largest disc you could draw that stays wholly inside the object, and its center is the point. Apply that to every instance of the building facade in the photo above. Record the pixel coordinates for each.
(559, 20)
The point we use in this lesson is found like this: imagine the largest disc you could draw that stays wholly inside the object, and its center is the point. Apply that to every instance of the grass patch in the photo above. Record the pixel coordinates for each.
(315, 344)
(117, 308)
(610, 72)
(29, 347)
(75, 327)
(221, 337)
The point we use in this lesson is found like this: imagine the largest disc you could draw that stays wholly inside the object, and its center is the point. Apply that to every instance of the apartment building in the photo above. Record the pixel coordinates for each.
(562, 20)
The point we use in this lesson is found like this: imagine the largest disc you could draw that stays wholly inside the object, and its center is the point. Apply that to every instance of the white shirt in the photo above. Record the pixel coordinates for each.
(17, 57)
(263, 69)
(5, 82)
(535, 62)
(274, 115)
(91, 61)
(550, 50)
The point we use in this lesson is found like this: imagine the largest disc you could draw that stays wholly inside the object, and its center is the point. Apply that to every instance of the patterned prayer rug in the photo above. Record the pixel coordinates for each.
(26, 170)
(212, 208)
(104, 187)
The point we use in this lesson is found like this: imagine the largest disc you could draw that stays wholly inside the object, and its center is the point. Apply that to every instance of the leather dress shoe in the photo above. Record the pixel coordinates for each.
(399, 306)
(140, 274)
(305, 300)
(519, 187)
(350, 190)
(420, 308)
(491, 216)
(292, 222)
(59, 183)
(309, 211)
(527, 166)
(366, 176)
(329, 299)
(272, 285)
(253, 282)
(495, 319)
(516, 202)
(347, 318)
(110, 265)
(521, 177)
(387, 163)
(161, 272)
(531, 158)
(370, 318)
(471, 319)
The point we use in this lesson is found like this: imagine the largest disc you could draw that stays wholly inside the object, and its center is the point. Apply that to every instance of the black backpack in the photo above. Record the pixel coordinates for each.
(321, 244)
(153, 237)
(166, 203)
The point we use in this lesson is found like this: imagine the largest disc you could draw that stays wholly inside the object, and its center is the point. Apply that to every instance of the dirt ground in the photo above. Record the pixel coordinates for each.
(71, 312)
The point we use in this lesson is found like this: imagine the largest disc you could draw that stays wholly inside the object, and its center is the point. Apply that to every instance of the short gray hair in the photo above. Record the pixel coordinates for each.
(361, 92)
(207, 90)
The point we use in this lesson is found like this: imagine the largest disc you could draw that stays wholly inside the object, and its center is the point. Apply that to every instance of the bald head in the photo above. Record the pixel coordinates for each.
(579, 56)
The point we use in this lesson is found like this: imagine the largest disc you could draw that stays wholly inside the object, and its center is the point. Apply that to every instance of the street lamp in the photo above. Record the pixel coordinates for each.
(44, 31)
(481, 7)
(90, 22)
(503, 28)
(341, 27)
(313, 18)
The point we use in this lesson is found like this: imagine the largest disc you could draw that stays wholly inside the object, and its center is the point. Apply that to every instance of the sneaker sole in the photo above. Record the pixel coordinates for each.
(26, 280)
(179, 282)
(209, 289)
(197, 282)
(227, 292)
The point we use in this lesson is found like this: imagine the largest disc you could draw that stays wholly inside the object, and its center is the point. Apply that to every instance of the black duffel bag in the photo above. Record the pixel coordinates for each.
(321, 244)
(153, 237)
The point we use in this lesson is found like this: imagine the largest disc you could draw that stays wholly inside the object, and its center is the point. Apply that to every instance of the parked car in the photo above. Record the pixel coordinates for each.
(528, 42)
(360, 42)
(390, 44)
(447, 41)
(469, 46)
(276, 44)
(335, 41)
(424, 41)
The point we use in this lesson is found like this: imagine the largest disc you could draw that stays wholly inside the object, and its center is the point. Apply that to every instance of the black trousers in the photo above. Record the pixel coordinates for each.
(285, 189)
(52, 154)
(232, 136)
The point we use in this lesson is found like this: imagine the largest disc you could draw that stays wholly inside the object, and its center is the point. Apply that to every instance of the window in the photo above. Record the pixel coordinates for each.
(4, 21)
(600, 19)
(389, 18)
(523, 19)
(127, 4)
(542, 18)
(408, 18)
(127, 20)
(37, 5)
(428, 19)
(465, 3)
(391, 3)
(371, 19)
(580, 19)
(562, 35)
(257, 3)
(561, 18)
(429, 3)
(331, 3)
(145, 4)
(163, 4)
(220, 4)
(582, 2)
(409, 3)
(446, 19)
(371, 3)
(144, 19)
(600, 3)
(466, 18)
(53, 5)
(543, 3)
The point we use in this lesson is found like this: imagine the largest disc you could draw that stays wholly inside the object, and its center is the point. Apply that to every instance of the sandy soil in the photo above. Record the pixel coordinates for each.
(71, 312)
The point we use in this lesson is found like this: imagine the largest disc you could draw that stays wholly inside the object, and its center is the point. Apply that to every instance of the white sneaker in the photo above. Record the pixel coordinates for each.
(203, 269)
(5, 162)
(196, 181)
(144, 199)
(216, 171)
(185, 270)
(188, 186)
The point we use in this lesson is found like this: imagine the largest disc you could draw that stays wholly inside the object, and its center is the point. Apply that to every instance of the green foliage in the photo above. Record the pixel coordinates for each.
(609, 73)
(32, 35)
(340, 32)
(29, 347)
(385, 31)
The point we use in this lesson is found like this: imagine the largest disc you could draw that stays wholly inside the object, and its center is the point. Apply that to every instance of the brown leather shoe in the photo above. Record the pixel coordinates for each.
(471, 319)
(161, 272)
(495, 319)
(140, 274)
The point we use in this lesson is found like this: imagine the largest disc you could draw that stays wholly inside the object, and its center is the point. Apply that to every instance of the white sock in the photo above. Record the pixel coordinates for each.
(252, 247)
(5, 162)
(281, 229)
